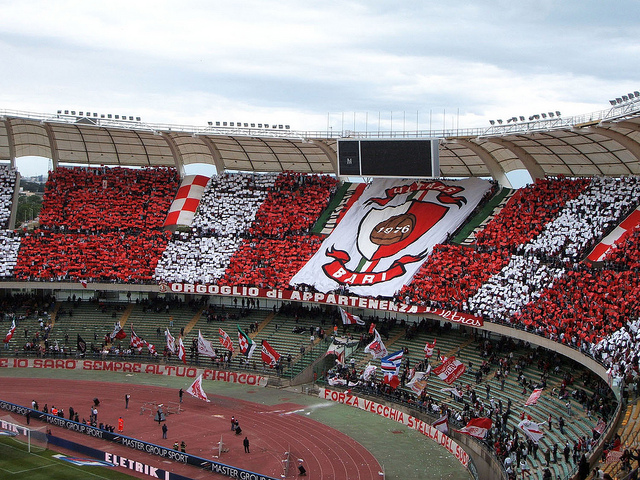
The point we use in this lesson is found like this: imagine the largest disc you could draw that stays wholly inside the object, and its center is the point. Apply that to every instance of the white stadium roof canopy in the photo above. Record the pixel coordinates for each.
(605, 143)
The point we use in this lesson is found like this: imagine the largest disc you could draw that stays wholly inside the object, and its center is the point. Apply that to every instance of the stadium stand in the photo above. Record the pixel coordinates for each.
(99, 224)
(9, 241)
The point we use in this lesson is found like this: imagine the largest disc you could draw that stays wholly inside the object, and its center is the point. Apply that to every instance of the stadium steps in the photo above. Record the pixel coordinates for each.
(194, 320)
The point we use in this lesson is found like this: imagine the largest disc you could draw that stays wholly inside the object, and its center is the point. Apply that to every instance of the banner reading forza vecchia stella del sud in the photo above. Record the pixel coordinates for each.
(387, 234)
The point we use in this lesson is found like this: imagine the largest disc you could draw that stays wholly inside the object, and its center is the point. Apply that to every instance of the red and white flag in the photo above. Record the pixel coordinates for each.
(478, 427)
(151, 347)
(205, 347)
(225, 340)
(196, 389)
(613, 456)
(83, 283)
(450, 370)
(442, 423)
(136, 341)
(531, 430)
(118, 333)
(269, 355)
(171, 341)
(600, 426)
(350, 319)
(376, 348)
(10, 333)
(182, 353)
(368, 372)
(428, 349)
(533, 398)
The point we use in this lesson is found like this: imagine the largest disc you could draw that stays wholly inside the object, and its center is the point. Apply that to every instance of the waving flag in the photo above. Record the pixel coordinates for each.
(247, 346)
(418, 381)
(442, 423)
(225, 340)
(478, 427)
(81, 345)
(390, 366)
(151, 347)
(535, 395)
(10, 333)
(368, 372)
(531, 430)
(350, 319)
(118, 333)
(205, 347)
(171, 341)
(376, 348)
(450, 370)
(182, 354)
(453, 391)
(428, 349)
(136, 341)
(269, 355)
(196, 389)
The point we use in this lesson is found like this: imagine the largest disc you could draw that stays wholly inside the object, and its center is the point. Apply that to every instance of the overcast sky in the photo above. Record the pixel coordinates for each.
(315, 65)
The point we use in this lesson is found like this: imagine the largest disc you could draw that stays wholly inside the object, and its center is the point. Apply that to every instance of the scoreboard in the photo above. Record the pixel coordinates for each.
(388, 158)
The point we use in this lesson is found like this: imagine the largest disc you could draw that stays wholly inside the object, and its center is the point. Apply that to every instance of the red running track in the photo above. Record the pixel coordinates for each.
(272, 430)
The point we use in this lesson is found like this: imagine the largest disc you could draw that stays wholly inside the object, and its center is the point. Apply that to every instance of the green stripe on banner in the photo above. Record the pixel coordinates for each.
(480, 217)
(324, 218)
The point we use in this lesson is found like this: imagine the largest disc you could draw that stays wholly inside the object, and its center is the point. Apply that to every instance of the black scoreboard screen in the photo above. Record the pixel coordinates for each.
(388, 158)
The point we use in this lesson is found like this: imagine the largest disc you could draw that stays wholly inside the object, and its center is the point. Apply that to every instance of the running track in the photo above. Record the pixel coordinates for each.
(272, 430)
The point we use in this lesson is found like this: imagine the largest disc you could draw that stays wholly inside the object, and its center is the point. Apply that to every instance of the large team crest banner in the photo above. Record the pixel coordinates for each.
(387, 234)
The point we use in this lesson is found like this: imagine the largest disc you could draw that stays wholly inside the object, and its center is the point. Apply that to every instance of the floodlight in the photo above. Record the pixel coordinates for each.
(544, 115)
(550, 114)
(137, 119)
(253, 125)
(109, 115)
(618, 99)
(612, 102)
(224, 124)
(521, 118)
(231, 124)
(625, 98)
(630, 95)
(59, 112)
(259, 125)
(81, 114)
(500, 122)
(246, 124)
(210, 123)
(73, 112)
(66, 112)
(102, 115)
(287, 127)
(558, 113)
(637, 94)
(492, 122)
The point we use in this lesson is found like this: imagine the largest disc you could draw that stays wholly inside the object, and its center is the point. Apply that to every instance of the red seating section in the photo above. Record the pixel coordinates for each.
(99, 224)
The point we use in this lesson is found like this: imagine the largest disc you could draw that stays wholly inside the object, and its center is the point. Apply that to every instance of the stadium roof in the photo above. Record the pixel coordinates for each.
(602, 143)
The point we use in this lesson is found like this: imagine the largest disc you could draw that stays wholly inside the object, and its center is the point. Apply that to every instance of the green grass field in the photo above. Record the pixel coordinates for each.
(16, 463)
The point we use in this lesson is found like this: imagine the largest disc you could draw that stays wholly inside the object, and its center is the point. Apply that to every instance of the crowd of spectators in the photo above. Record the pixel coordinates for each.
(528, 211)
(452, 274)
(99, 224)
(9, 241)
(227, 209)
(587, 218)
(521, 281)
(250, 229)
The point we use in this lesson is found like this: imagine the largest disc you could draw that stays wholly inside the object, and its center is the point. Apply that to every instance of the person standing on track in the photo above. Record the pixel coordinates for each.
(245, 442)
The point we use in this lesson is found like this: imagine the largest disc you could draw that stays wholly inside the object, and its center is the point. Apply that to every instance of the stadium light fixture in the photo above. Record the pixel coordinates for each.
(499, 121)
(210, 124)
(625, 98)
(522, 118)
(618, 99)
(492, 122)
(558, 113)
(637, 94)
(630, 95)
(612, 102)
(550, 114)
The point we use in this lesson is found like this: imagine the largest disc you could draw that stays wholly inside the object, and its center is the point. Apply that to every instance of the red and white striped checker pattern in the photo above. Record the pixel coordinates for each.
(628, 224)
(183, 208)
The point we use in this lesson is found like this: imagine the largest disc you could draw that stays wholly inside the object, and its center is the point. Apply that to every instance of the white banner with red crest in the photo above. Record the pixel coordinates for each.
(388, 233)
(450, 370)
